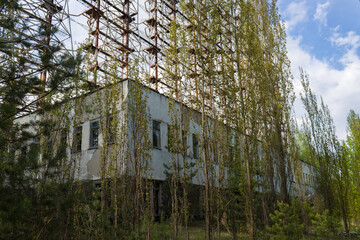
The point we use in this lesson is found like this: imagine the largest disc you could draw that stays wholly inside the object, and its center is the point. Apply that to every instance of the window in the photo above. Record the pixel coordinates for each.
(156, 135)
(77, 139)
(195, 146)
(94, 134)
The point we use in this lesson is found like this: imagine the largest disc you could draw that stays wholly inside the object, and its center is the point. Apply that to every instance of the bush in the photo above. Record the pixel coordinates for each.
(286, 223)
(161, 230)
(324, 224)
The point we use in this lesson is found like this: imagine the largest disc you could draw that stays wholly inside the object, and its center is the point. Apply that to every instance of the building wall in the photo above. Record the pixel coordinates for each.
(95, 108)
(92, 108)
(159, 110)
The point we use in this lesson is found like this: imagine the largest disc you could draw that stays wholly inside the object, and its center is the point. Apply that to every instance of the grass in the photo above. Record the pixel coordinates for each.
(163, 231)
(197, 229)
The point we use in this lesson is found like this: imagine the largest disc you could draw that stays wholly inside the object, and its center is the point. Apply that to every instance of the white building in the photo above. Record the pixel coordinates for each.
(104, 126)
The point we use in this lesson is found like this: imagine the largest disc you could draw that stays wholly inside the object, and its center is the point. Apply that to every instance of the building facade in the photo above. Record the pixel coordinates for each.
(129, 129)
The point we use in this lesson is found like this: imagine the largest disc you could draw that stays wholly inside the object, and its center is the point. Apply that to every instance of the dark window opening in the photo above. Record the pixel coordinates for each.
(195, 146)
(156, 135)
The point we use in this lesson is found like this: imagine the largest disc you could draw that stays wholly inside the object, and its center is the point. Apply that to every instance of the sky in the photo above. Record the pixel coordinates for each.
(323, 37)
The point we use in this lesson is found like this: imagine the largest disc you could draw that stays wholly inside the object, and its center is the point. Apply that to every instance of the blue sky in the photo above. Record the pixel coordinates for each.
(323, 37)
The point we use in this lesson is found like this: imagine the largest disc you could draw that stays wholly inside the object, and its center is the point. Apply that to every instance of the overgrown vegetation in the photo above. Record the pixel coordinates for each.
(261, 176)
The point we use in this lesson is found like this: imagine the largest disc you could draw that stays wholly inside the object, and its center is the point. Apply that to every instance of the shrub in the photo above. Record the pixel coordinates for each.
(286, 223)
(324, 224)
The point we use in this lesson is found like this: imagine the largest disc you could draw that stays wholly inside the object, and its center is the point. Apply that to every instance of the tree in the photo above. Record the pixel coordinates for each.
(320, 134)
(28, 158)
(353, 150)
(286, 223)
(326, 154)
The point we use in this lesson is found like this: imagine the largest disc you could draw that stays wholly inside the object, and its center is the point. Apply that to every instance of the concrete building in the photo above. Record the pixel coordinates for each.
(105, 127)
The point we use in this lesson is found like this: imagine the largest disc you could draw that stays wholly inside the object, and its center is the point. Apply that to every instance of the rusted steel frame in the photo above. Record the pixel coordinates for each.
(176, 65)
(156, 46)
(116, 41)
(97, 26)
(127, 20)
(48, 20)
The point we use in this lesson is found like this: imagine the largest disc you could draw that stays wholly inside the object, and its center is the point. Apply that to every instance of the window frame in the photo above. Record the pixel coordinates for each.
(92, 143)
(158, 146)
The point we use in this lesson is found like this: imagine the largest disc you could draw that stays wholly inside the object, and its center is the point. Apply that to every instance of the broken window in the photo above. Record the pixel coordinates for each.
(156, 135)
(94, 134)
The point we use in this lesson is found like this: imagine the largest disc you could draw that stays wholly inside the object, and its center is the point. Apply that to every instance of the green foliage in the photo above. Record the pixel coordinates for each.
(320, 147)
(88, 218)
(38, 196)
(286, 223)
(233, 55)
(324, 225)
(161, 231)
(322, 143)
(353, 146)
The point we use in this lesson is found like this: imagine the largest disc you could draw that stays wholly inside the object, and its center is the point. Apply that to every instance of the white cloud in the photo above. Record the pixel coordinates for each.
(321, 12)
(296, 13)
(339, 88)
(351, 40)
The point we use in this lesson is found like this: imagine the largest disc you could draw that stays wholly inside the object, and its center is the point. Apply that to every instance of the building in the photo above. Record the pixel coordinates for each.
(129, 129)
